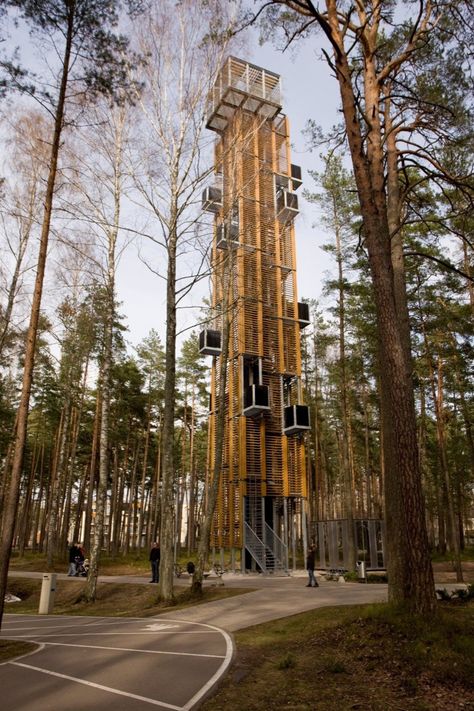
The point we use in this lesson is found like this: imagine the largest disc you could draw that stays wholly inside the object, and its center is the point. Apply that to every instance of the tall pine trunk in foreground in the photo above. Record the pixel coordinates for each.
(356, 32)
(22, 416)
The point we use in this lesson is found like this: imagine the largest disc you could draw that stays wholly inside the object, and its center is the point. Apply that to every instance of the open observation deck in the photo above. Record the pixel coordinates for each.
(240, 85)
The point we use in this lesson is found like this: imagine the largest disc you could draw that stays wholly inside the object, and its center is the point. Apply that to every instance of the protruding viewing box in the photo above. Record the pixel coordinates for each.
(287, 205)
(212, 199)
(296, 176)
(303, 314)
(296, 419)
(210, 342)
(256, 400)
(228, 236)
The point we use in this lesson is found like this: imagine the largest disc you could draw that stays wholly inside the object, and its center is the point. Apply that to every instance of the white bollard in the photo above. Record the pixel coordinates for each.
(48, 589)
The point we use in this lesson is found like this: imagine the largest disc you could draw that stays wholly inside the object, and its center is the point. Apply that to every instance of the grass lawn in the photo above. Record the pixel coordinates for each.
(113, 599)
(372, 658)
(14, 648)
(131, 564)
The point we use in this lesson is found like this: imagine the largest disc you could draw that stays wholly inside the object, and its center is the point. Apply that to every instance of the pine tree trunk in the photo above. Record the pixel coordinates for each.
(132, 543)
(441, 435)
(213, 488)
(24, 521)
(346, 449)
(141, 518)
(118, 506)
(35, 533)
(168, 512)
(61, 467)
(191, 540)
(408, 561)
(22, 417)
(105, 370)
(92, 472)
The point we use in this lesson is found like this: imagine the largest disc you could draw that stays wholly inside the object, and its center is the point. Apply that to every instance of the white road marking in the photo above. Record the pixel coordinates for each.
(157, 627)
(101, 634)
(190, 704)
(80, 623)
(42, 627)
(100, 686)
(139, 651)
(40, 648)
(210, 683)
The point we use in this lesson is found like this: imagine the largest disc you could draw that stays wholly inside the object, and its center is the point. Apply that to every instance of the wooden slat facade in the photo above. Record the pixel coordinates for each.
(253, 147)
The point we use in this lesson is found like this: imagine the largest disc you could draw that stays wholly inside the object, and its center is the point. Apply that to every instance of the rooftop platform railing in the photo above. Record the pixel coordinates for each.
(241, 85)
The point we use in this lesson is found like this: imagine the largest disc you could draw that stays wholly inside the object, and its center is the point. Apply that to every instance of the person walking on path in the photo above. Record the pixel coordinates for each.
(155, 555)
(310, 558)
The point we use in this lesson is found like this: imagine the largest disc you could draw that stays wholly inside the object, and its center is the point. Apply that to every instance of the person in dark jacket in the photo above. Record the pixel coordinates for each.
(310, 559)
(155, 555)
(74, 552)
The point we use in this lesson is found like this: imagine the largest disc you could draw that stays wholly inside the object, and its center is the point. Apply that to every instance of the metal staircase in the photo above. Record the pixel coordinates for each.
(270, 554)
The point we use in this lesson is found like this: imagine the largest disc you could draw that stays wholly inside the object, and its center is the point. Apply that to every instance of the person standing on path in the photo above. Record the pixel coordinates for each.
(155, 555)
(310, 558)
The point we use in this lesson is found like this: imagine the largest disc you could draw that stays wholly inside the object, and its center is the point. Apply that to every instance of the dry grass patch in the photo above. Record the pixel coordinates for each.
(132, 564)
(113, 599)
(12, 648)
(373, 658)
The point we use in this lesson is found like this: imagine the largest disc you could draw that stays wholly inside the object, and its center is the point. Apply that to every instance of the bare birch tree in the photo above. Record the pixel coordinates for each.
(98, 181)
(183, 55)
(20, 210)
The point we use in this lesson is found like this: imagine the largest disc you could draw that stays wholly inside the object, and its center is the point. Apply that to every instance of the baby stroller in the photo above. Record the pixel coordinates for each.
(82, 567)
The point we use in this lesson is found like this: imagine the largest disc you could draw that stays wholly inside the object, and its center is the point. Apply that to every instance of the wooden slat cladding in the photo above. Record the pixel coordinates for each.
(258, 274)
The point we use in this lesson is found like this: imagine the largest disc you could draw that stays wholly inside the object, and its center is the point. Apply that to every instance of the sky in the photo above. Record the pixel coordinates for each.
(308, 92)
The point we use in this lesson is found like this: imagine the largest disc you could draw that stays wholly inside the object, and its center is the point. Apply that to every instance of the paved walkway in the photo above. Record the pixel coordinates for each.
(277, 597)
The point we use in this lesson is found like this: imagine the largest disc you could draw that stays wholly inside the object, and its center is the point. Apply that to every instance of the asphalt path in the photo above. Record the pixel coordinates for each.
(92, 663)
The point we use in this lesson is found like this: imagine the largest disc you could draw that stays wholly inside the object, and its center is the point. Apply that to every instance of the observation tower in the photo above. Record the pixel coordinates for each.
(261, 505)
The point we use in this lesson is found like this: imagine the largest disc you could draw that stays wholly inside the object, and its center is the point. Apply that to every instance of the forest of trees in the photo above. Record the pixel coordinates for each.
(104, 147)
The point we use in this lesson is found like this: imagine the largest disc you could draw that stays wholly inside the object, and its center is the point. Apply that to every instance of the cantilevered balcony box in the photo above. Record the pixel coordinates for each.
(210, 342)
(256, 400)
(228, 236)
(296, 176)
(212, 199)
(287, 206)
(303, 314)
(296, 419)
